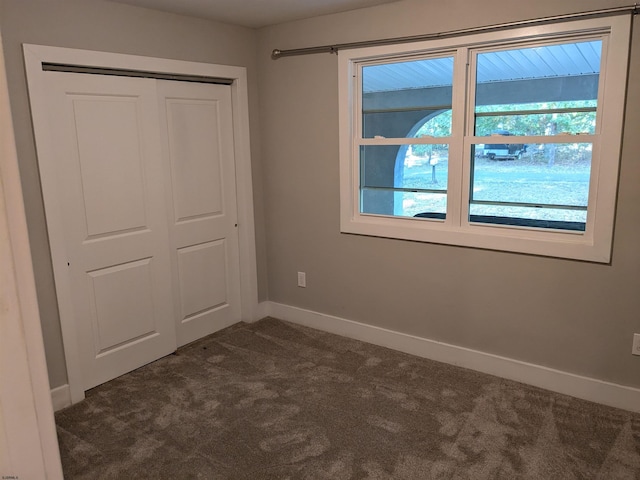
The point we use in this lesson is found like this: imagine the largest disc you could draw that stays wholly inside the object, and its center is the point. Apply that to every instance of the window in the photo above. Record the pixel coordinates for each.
(505, 140)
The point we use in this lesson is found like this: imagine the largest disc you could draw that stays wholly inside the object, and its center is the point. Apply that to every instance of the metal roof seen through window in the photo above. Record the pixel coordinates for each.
(549, 61)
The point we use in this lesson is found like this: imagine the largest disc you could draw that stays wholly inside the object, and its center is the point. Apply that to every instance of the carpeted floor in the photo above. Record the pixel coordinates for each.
(272, 400)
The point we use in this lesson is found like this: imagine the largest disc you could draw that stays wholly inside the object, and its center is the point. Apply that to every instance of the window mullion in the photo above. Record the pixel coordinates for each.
(469, 132)
(455, 190)
(469, 129)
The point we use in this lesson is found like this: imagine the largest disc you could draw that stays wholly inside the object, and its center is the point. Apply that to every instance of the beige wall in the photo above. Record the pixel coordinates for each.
(97, 25)
(573, 316)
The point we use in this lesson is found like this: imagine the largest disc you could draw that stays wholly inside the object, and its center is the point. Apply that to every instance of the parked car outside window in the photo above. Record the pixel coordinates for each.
(507, 151)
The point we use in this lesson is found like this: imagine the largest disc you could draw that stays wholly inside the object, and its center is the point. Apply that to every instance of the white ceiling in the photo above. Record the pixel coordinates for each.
(254, 13)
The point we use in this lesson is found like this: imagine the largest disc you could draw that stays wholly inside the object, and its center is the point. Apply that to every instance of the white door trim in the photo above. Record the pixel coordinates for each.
(28, 442)
(34, 56)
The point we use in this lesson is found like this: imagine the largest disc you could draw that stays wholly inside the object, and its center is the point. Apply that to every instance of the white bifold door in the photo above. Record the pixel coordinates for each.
(145, 195)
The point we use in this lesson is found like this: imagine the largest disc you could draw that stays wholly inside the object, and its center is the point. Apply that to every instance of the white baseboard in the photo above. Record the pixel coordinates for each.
(586, 388)
(262, 310)
(61, 397)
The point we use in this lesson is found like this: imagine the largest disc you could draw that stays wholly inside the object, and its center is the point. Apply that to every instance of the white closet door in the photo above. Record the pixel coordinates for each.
(197, 126)
(111, 201)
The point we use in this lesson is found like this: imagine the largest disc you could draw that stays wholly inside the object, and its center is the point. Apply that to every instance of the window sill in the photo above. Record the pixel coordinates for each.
(575, 245)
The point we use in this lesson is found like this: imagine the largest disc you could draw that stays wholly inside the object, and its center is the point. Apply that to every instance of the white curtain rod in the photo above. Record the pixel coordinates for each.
(277, 53)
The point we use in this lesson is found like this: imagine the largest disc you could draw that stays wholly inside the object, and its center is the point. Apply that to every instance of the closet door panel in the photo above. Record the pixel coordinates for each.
(111, 203)
(200, 166)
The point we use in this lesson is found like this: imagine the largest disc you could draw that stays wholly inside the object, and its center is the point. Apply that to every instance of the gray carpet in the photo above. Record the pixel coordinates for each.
(272, 400)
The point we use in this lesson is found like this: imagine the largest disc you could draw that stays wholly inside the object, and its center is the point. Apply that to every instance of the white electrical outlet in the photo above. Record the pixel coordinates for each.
(636, 344)
(302, 280)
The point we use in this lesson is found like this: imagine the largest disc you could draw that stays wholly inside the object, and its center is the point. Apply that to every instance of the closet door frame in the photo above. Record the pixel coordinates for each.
(35, 56)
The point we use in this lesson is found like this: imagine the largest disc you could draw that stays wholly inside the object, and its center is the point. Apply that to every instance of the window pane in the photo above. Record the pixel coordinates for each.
(424, 205)
(547, 182)
(404, 180)
(397, 96)
(546, 90)
(577, 117)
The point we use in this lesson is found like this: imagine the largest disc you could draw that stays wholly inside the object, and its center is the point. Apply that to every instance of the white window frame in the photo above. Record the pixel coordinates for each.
(594, 244)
